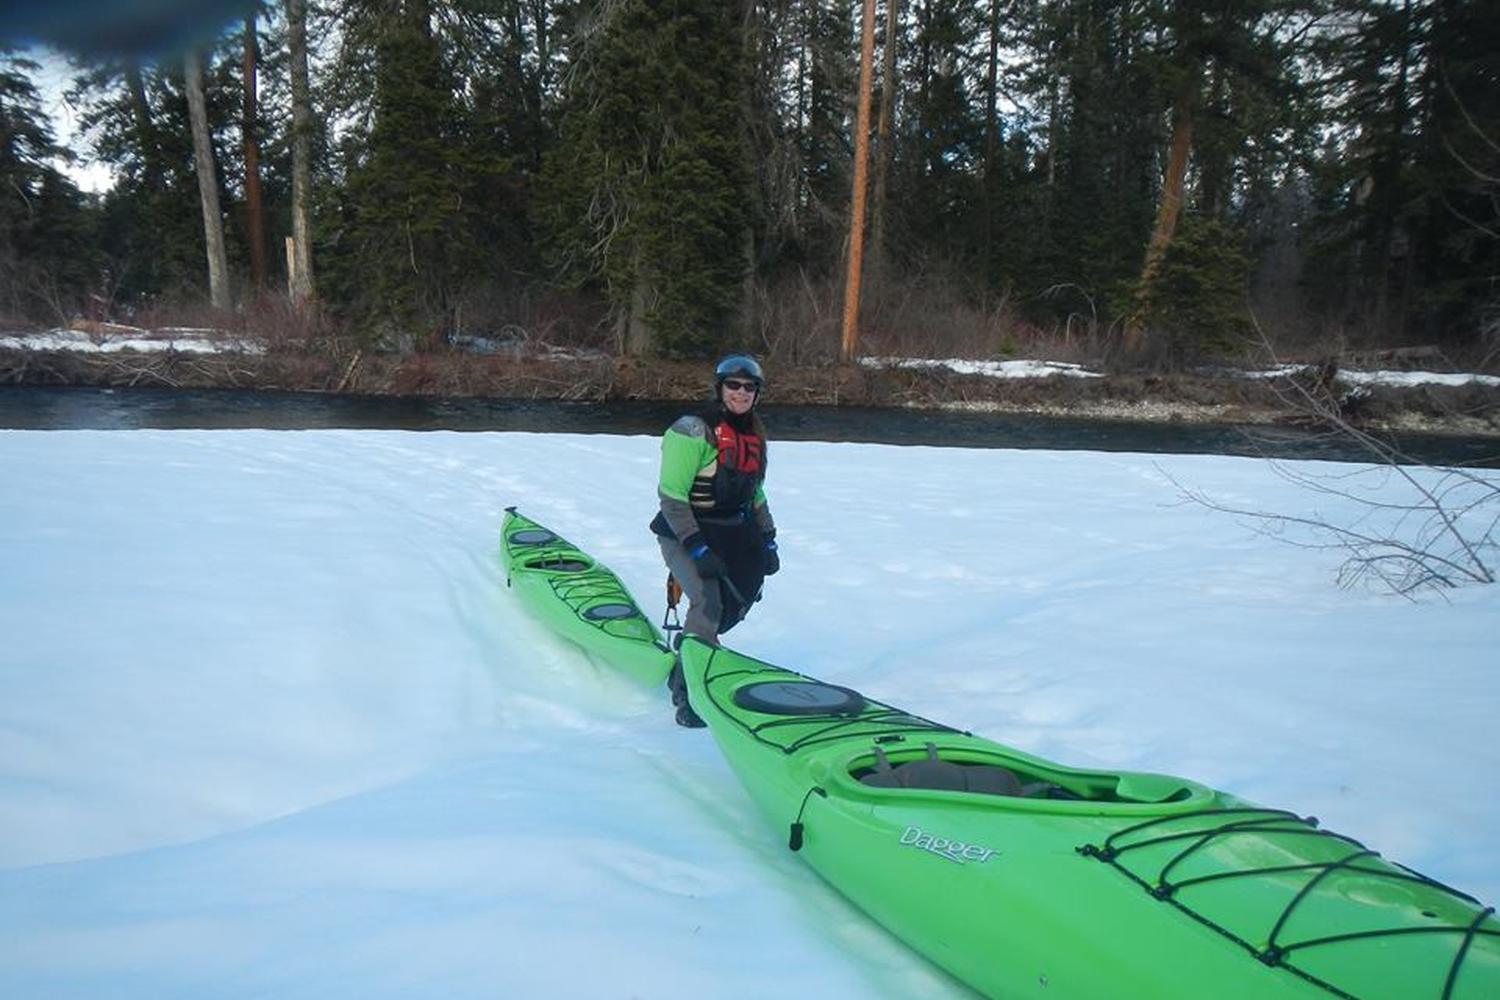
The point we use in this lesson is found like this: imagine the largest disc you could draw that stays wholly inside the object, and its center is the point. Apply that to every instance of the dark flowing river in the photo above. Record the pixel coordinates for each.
(40, 408)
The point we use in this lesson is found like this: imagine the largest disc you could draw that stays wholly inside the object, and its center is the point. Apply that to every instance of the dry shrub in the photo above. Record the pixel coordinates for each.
(536, 316)
(186, 312)
(798, 319)
(940, 318)
(935, 319)
(269, 321)
(280, 324)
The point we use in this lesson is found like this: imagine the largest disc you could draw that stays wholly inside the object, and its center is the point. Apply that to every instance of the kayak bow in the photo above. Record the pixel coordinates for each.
(1024, 877)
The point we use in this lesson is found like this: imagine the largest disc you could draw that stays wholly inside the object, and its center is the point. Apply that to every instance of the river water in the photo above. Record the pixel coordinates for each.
(41, 408)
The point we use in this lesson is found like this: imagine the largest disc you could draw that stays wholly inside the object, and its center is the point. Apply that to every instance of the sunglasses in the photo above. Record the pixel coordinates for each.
(738, 386)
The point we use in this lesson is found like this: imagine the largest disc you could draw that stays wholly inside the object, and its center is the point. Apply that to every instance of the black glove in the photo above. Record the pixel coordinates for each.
(771, 559)
(706, 559)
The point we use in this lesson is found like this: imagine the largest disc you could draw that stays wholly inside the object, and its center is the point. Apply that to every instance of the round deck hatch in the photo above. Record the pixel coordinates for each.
(799, 698)
(532, 536)
(610, 612)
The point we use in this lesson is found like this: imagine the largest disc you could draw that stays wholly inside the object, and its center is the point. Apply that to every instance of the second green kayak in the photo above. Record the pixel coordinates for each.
(1026, 878)
(581, 599)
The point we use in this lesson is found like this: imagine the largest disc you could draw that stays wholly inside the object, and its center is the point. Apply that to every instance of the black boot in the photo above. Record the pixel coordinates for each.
(677, 685)
(688, 718)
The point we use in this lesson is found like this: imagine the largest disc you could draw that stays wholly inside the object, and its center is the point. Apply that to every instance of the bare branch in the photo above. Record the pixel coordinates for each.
(1414, 528)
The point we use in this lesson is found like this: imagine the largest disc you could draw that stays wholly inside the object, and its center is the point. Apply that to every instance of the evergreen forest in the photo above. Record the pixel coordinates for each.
(1158, 181)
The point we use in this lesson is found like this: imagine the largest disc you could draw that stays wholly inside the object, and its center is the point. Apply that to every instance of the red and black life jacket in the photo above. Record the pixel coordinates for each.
(740, 469)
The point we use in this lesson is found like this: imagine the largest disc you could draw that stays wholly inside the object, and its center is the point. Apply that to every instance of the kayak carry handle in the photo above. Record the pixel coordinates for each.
(794, 841)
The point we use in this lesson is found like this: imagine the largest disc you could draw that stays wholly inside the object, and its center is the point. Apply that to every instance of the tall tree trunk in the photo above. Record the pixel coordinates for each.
(1215, 165)
(800, 118)
(991, 135)
(255, 226)
(1054, 114)
(208, 184)
(1388, 181)
(636, 335)
(140, 112)
(883, 151)
(861, 174)
(1168, 208)
(750, 54)
(538, 90)
(302, 125)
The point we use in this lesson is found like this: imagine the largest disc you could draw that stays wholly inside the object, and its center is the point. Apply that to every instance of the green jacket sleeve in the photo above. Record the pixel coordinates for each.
(683, 453)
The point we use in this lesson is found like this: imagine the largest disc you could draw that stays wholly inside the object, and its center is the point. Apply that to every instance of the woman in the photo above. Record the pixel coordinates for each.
(715, 529)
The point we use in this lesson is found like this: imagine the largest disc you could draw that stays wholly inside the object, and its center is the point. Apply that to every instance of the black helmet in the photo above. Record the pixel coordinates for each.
(742, 365)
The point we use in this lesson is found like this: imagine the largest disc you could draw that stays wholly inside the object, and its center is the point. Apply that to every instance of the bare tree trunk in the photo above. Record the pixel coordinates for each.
(883, 151)
(991, 134)
(749, 52)
(140, 111)
(1054, 112)
(208, 184)
(537, 89)
(255, 226)
(1168, 208)
(1388, 183)
(302, 124)
(636, 335)
(861, 173)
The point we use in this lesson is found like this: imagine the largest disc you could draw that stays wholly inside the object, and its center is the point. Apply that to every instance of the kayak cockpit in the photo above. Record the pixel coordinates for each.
(978, 771)
(569, 563)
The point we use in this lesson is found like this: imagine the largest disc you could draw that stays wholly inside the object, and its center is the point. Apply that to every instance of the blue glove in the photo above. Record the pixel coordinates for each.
(771, 559)
(706, 560)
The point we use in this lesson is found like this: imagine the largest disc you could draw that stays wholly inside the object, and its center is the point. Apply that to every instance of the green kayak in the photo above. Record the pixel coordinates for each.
(1023, 877)
(581, 599)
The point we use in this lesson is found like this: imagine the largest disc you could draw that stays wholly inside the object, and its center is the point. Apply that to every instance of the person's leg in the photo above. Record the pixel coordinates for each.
(704, 597)
(705, 605)
(742, 547)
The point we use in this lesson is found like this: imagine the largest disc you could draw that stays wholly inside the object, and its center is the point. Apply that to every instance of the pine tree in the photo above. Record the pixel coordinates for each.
(1457, 252)
(1102, 177)
(152, 225)
(1223, 72)
(48, 261)
(647, 191)
(943, 141)
(402, 239)
(1198, 306)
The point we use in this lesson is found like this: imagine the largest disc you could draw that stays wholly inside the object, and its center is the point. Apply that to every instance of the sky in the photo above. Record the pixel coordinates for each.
(272, 725)
(52, 79)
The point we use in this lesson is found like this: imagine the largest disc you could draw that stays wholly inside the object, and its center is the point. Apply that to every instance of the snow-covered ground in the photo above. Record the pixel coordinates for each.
(182, 339)
(993, 369)
(1041, 369)
(271, 725)
(1356, 377)
(211, 341)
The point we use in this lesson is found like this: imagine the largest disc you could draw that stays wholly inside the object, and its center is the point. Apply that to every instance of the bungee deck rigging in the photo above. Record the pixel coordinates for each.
(1271, 948)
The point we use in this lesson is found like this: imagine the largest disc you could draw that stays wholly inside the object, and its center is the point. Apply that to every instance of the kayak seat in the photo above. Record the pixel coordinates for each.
(932, 772)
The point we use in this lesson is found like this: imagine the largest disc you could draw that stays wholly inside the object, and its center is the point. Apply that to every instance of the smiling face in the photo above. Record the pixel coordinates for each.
(738, 395)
